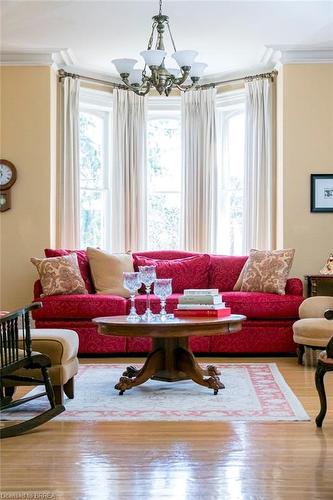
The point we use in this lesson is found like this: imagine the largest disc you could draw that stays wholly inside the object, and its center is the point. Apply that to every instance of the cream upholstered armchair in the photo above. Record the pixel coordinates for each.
(313, 329)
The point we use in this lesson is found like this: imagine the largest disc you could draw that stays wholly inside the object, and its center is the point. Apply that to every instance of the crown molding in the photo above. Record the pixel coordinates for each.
(39, 57)
(297, 54)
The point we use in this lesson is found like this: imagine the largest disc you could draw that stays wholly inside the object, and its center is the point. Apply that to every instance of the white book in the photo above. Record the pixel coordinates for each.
(201, 306)
(200, 299)
(201, 291)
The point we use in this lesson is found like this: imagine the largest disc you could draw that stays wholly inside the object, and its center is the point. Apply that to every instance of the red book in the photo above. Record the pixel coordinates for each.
(203, 313)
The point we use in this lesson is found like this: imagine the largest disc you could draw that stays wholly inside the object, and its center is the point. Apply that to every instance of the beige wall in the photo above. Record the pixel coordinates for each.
(305, 146)
(28, 140)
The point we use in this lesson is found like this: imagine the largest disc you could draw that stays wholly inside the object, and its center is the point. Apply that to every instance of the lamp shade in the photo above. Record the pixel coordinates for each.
(124, 65)
(197, 69)
(136, 76)
(153, 57)
(185, 57)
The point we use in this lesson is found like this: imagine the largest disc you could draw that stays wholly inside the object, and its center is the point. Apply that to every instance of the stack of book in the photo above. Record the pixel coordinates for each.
(201, 302)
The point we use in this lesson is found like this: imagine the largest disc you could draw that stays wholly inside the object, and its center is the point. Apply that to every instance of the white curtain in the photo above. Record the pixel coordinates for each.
(128, 182)
(199, 169)
(69, 202)
(258, 175)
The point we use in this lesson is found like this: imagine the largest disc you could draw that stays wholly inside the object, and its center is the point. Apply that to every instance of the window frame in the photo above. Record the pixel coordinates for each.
(99, 104)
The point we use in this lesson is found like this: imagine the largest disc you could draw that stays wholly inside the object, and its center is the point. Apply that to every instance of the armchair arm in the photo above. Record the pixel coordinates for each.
(328, 314)
(315, 307)
(38, 290)
(294, 286)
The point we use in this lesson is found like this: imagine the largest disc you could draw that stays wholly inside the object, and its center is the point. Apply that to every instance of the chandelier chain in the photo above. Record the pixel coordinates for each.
(151, 38)
(172, 40)
(160, 11)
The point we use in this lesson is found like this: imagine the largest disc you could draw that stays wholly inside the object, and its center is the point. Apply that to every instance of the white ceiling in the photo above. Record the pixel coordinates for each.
(230, 36)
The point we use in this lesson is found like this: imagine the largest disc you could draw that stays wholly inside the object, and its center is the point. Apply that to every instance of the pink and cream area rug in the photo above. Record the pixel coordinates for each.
(253, 392)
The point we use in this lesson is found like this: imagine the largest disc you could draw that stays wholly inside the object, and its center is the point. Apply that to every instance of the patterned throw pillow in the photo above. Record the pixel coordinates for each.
(82, 259)
(60, 275)
(267, 271)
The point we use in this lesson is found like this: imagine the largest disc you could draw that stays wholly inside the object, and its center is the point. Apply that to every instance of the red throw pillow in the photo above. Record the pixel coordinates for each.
(190, 272)
(82, 261)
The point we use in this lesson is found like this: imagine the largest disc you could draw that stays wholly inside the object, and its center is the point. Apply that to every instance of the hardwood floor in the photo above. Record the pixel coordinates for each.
(181, 461)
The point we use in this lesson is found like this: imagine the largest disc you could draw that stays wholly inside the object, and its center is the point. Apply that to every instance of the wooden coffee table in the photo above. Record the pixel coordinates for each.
(171, 359)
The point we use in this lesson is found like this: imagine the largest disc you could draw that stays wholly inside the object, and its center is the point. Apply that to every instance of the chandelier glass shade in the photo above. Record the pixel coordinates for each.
(155, 74)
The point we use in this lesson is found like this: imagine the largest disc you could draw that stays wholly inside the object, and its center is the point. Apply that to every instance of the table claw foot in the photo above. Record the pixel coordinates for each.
(123, 384)
(188, 364)
(212, 371)
(214, 383)
(130, 372)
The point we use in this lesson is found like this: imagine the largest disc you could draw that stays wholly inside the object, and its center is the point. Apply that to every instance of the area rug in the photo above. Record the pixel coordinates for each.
(253, 392)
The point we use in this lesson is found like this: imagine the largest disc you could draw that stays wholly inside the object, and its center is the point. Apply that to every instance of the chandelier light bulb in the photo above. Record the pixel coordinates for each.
(124, 65)
(197, 69)
(153, 57)
(184, 58)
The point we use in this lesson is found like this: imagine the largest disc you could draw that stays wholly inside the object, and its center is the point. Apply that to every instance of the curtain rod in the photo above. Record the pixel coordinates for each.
(63, 74)
(249, 78)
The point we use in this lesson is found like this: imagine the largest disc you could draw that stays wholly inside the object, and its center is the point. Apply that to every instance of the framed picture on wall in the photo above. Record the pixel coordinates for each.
(321, 192)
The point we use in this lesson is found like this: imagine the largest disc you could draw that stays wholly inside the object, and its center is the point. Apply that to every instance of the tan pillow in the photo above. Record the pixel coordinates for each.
(107, 271)
(267, 271)
(238, 284)
(60, 275)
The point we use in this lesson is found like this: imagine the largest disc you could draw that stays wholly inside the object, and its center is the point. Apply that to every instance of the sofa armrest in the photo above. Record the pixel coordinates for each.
(38, 290)
(294, 286)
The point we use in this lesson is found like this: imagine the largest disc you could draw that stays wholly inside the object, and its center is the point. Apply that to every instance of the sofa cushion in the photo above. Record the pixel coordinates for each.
(80, 306)
(190, 272)
(82, 259)
(60, 275)
(259, 305)
(224, 271)
(107, 271)
(267, 271)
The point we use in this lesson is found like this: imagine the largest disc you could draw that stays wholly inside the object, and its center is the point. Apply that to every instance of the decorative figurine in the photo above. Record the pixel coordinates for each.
(328, 267)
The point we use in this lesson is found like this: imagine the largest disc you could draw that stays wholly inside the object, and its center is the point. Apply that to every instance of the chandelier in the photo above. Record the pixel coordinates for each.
(161, 78)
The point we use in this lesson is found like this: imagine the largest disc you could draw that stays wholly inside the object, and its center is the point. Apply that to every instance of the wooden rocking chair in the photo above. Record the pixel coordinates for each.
(12, 358)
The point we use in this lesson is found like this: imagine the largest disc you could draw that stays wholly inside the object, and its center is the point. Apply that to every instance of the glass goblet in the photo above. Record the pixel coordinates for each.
(163, 288)
(148, 276)
(132, 281)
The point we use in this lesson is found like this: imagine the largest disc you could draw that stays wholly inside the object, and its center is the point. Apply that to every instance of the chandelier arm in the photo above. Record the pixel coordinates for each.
(145, 85)
(186, 72)
(172, 40)
(184, 89)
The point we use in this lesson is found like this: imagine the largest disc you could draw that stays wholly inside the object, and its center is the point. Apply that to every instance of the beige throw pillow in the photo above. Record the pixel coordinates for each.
(238, 284)
(267, 271)
(60, 275)
(107, 271)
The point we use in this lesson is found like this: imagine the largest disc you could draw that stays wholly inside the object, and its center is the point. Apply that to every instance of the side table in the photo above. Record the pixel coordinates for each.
(315, 281)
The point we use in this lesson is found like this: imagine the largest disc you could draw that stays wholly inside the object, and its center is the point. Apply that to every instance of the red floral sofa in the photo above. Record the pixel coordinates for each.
(268, 328)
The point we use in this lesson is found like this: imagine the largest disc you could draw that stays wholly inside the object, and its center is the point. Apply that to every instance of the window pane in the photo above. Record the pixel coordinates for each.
(92, 228)
(164, 183)
(91, 150)
(94, 189)
(231, 133)
(163, 221)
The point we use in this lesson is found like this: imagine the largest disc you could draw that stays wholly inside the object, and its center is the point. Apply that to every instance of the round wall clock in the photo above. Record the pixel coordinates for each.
(7, 179)
(7, 174)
